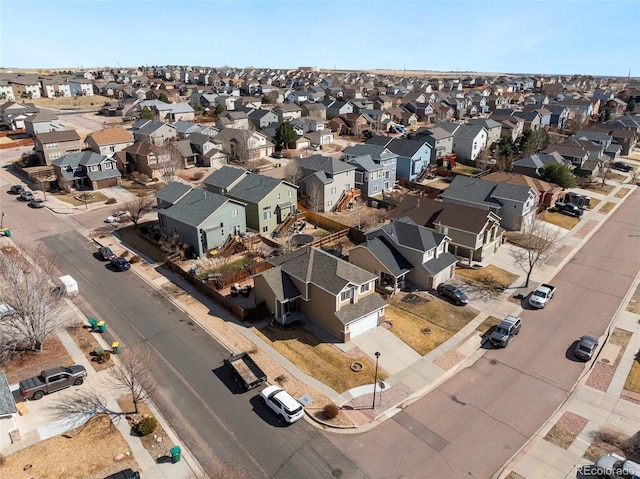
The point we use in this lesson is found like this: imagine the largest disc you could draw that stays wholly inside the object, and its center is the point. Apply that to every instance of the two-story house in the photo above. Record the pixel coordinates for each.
(474, 234)
(14, 114)
(375, 168)
(336, 108)
(268, 200)
(143, 157)
(310, 284)
(86, 169)
(413, 155)
(287, 112)
(55, 144)
(210, 152)
(42, 122)
(325, 181)
(244, 145)
(514, 204)
(401, 252)
(109, 141)
(154, 132)
(260, 119)
(201, 219)
(493, 128)
(468, 140)
(440, 141)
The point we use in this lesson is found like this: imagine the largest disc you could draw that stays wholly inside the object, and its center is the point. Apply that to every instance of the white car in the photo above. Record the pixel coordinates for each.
(115, 217)
(284, 405)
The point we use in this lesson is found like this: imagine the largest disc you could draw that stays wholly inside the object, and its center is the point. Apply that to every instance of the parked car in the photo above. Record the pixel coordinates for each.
(106, 254)
(117, 216)
(277, 155)
(36, 203)
(569, 209)
(508, 328)
(453, 293)
(119, 263)
(283, 404)
(125, 474)
(541, 295)
(26, 195)
(16, 189)
(612, 466)
(586, 347)
(51, 380)
(620, 166)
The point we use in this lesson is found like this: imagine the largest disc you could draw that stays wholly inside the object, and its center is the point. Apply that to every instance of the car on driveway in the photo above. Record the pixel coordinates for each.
(106, 254)
(586, 347)
(36, 203)
(26, 195)
(453, 293)
(16, 189)
(620, 166)
(283, 404)
(119, 263)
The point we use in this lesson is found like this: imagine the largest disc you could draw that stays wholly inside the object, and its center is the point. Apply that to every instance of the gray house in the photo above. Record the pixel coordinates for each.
(531, 164)
(376, 167)
(413, 155)
(42, 122)
(154, 132)
(201, 219)
(260, 119)
(87, 169)
(336, 108)
(514, 204)
(326, 182)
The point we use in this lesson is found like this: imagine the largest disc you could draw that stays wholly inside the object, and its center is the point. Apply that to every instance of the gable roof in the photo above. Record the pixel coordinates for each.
(517, 179)
(109, 136)
(326, 164)
(538, 160)
(405, 232)
(173, 192)
(224, 177)
(253, 187)
(281, 284)
(57, 136)
(194, 207)
(484, 192)
(376, 152)
(387, 255)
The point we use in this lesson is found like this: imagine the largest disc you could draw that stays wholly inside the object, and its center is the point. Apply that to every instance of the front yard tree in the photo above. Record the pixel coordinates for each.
(604, 173)
(26, 286)
(173, 163)
(559, 174)
(133, 373)
(139, 206)
(164, 98)
(536, 245)
(285, 134)
(147, 114)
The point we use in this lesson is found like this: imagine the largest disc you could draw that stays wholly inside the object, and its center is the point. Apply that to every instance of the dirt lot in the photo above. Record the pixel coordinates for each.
(30, 364)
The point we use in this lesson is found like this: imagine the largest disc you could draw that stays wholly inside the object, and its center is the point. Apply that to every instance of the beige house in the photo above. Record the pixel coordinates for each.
(55, 144)
(312, 285)
(109, 141)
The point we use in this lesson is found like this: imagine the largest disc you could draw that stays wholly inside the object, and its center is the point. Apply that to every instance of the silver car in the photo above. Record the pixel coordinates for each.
(586, 347)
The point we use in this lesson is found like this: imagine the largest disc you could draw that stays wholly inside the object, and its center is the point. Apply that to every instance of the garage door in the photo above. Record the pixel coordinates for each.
(363, 325)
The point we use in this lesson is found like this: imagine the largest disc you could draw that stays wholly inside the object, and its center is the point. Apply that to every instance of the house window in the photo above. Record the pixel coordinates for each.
(348, 173)
(279, 195)
(266, 214)
(52, 146)
(346, 295)
(265, 229)
(112, 149)
(333, 190)
(108, 165)
(235, 212)
(329, 203)
(375, 188)
(359, 177)
(95, 168)
(55, 155)
(364, 288)
(289, 194)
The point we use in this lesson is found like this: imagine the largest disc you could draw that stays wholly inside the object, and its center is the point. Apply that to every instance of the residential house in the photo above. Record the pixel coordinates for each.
(109, 141)
(6, 92)
(468, 140)
(413, 155)
(237, 120)
(474, 233)
(143, 157)
(201, 219)
(55, 144)
(81, 87)
(571, 151)
(260, 119)
(14, 114)
(559, 115)
(154, 132)
(26, 87)
(548, 193)
(402, 253)
(86, 169)
(531, 164)
(310, 284)
(268, 200)
(244, 145)
(315, 110)
(424, 111)
(403, 116)
(320, 137)
(493, 128)
(337, 108)
(326, 182)
(184, 150)
(210, 152)
(512, 126)
(598, 137)
(514, 204)
(439, 139)
(8, 413)
(42, 122)
(375, 168)
(288, 112)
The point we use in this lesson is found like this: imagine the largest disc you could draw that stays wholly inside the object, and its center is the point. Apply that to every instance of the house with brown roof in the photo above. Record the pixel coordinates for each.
(474, 233)
(55, 144)
(143, 157)
(109, 141)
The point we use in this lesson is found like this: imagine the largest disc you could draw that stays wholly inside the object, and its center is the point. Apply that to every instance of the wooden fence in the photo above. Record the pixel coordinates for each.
(16, 143)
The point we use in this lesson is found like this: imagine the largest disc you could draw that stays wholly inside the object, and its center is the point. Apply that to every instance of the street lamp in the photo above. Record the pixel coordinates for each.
(375, 382)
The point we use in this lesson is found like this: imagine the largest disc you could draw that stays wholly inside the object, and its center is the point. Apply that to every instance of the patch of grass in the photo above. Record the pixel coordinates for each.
(633, 379)
(556, 218)
(319, 359)
(489, 275)
(84, 339)
(597, 449)
(466, 170)
(620, 337)
(515, 237)
(622, 192)
(87, 452)
(634, 302)
(593, 203)
(91, 197)
(607, 207)
(487, 324)
(560, 436)
(598, 187)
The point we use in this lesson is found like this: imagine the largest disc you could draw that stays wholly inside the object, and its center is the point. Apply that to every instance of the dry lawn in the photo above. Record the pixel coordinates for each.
(633, 379)
(593, 203)
(556, 218)
(488, 324)
(598, 187)
(620, 337)
(88, 453)
(490, 276)
(30, 364)
(560, 436)
(319, 359)
(622, 192)
(607, 207)
(466, 170)
(94, 102)
(408, 313)
(95, 197)
(634, 302)
(84, 339)
(514, 475)
(130, 236)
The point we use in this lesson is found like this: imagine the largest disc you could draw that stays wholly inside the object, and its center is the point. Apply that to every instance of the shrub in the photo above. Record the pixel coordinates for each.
(102, 357)
(330, 411)
(281, 379)
(111, 201)
(197, 175)
(125, 253)
(135, 259)
(146, 426)
(144, 230)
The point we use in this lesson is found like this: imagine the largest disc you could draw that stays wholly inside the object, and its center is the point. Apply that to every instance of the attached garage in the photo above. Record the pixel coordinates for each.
(363, 324)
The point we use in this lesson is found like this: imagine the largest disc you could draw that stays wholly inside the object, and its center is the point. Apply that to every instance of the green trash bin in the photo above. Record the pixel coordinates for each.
(102, 326)
(94, 323)
(176, 453)
(7, 233)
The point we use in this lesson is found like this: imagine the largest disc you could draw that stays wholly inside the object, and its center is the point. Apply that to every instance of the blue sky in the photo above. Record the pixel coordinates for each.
(544, 36)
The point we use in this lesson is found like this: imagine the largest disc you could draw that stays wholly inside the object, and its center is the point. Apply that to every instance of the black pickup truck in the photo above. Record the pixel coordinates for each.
(246, 373)
(51, 380)
(569, 209)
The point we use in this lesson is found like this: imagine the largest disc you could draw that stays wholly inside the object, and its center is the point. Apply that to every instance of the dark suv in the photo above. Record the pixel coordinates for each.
(126, 474)
(453, 293)
(620, 166)
(119, 263)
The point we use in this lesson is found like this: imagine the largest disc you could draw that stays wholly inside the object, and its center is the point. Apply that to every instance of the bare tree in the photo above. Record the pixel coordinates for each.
(536, 245)
(26, 287)
(314, 199)
(133, 373)
(139, 206)
(293, 171)
(43, 181)
(604, 173)
(173, 163)
(242, 148)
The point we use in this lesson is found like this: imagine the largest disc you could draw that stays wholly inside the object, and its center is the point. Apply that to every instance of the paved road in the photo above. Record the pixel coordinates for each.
(473, 423)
